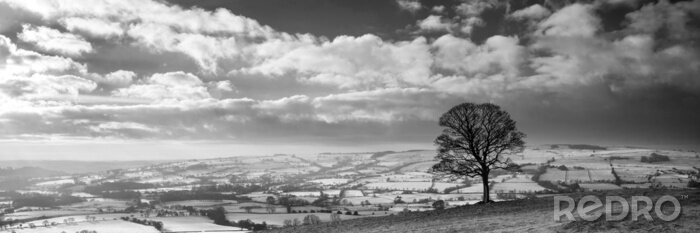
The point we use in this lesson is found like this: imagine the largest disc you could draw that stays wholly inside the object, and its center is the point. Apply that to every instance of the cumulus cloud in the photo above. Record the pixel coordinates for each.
(119, 78)
(354, 62)
(534, 12)
(498, 54)
(573, 20)
(409, 5)
(54, 41)
(434, 23)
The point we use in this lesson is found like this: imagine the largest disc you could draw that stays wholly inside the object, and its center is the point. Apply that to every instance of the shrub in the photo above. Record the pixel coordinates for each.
(654, 158)
(439, 205)
(311, 220)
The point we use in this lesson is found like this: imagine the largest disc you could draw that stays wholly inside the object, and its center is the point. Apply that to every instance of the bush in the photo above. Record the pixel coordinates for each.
(655, 158)
(439, 205)
(311, 220)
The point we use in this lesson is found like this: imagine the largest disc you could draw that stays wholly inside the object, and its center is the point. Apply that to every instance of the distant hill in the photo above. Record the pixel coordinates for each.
(77, 167)
(382, 153)
(578, 147)
(28, 172)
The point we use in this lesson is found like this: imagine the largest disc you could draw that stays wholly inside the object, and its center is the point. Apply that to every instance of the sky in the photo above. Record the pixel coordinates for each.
(177, 79)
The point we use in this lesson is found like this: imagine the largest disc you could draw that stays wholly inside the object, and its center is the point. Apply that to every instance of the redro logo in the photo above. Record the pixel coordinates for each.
(588, 205)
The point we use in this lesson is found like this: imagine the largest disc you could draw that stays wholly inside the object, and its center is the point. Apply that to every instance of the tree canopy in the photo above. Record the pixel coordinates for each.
(473, 141)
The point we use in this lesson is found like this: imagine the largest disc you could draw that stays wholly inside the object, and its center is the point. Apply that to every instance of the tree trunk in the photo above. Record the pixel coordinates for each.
(485, 180)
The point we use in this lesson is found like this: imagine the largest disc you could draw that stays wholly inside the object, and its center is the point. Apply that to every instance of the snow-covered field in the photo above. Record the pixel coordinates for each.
(194, 224)
(108, 226)
(56, 182)
(278, 219)
(554, 175)
(599, 186)
(410, 186)
(200, 203)
(330, 181)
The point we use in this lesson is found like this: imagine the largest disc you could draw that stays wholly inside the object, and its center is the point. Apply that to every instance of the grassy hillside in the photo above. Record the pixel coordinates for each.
(512, 216)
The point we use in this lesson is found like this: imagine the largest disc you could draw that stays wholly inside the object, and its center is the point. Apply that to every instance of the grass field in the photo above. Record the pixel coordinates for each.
(534, 215)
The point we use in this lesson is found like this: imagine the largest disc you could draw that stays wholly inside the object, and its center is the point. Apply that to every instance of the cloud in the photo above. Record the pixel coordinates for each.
(434, 23)
(172, 86)
(54, 41)
(119, 78)
(93, 27)
(498, 54)
(353, 62)
(670, 20)
(207, 37)
(637, 59)
(24, 62)
(573, 20)
(409, 5)
(533, 12)
(45, 87)
(161, 71)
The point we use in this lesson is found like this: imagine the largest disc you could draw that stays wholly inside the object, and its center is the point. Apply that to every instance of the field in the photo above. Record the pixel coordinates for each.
(278, 219)
(200, 203)
(193, 224)
(369, 183)
(554, 175)
(599, 186)
(108, 226)
(330, 181)
(44, 213)
(410, 186)
(509, 216)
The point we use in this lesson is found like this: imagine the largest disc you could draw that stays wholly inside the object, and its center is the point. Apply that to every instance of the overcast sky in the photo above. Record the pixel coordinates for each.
(146, 79)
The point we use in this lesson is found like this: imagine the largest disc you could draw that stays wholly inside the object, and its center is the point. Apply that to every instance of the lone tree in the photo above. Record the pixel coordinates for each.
(473, 140)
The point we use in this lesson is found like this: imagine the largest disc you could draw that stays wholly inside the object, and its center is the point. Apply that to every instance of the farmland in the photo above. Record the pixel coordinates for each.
(272, 191)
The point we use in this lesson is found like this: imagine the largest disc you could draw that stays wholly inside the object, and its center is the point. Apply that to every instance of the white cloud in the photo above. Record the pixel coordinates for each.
(438, 9)
(172, 86)
(354, 62)
(533, 12)
(45, 87)
(54, 41)
(409, 5)
(24, 63)
(119, 78)
(573, 20)
(93, 27)
(110, 127)
(434, 23)
(473, 8)
(498, 54)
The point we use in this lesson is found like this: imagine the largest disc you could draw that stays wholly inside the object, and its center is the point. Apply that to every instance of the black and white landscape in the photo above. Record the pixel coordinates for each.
(345, 115)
